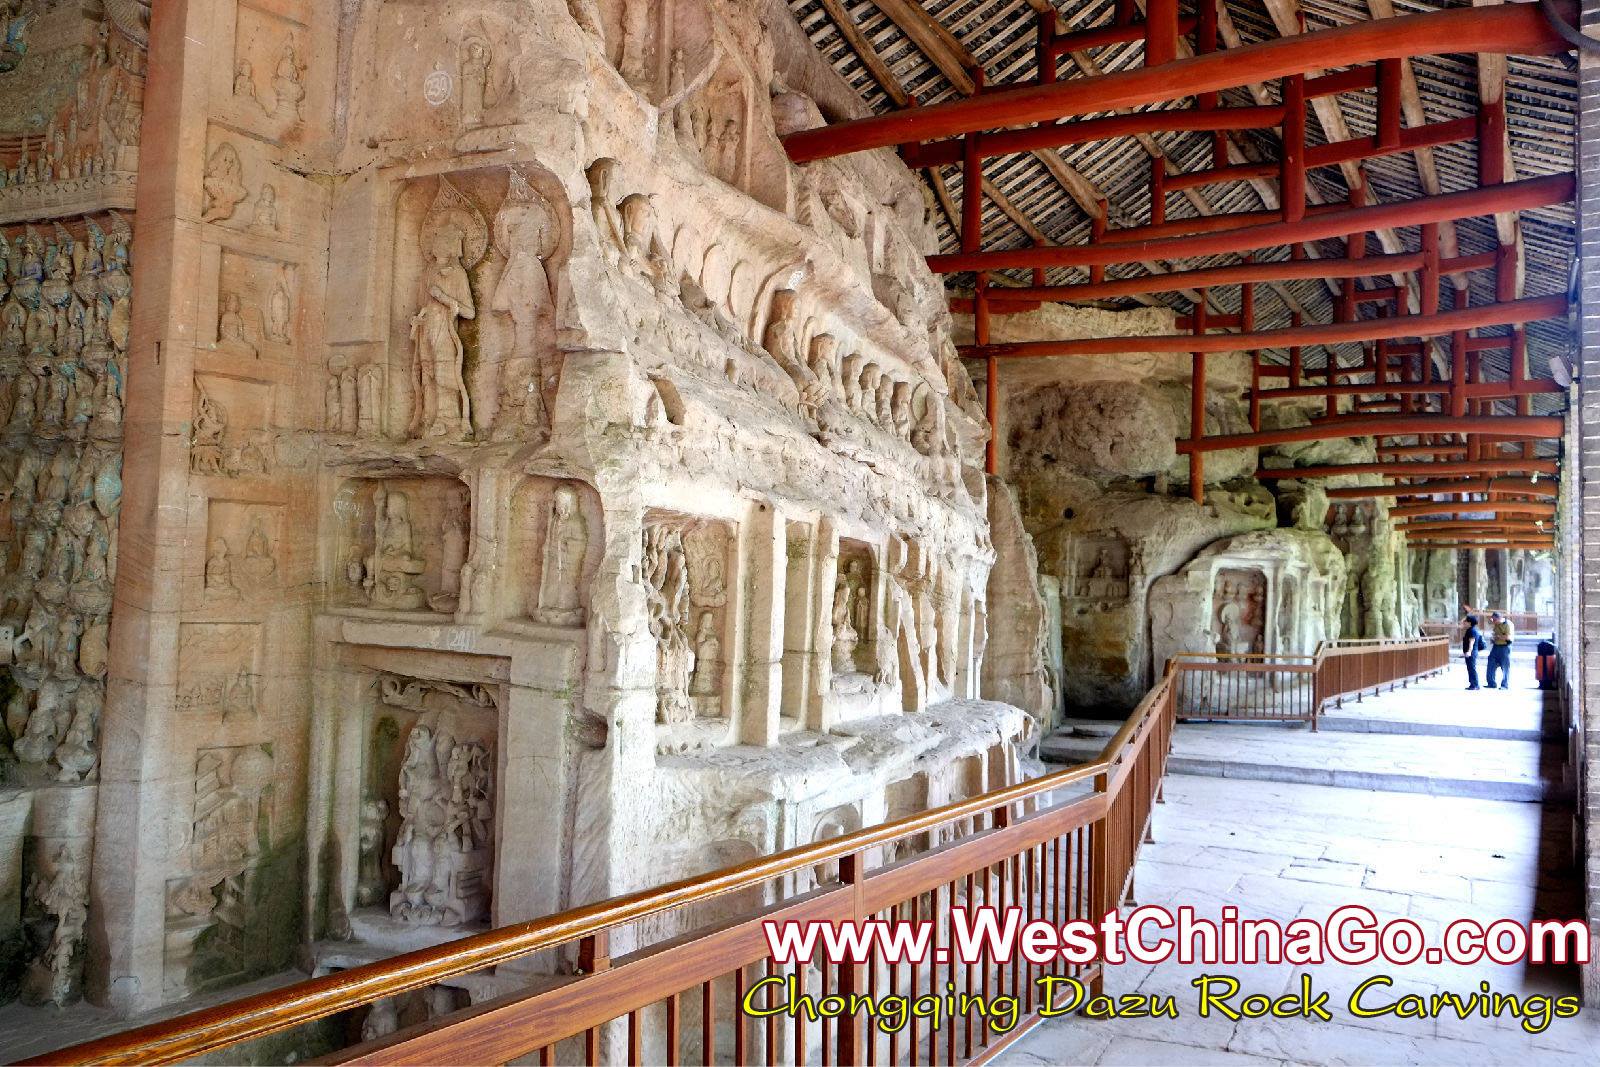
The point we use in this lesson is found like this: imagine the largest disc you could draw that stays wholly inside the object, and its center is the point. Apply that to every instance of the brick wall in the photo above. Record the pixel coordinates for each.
(1581, 539)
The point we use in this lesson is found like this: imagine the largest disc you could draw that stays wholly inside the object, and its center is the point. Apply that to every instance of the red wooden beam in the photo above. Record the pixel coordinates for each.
(1337, 153)
(1437, 526)
(1528, 309)
(1480, 390)
(1543, 427)
(1485, 543)
(1101, 36)
(1475, 507)
(1520, 486)
(1513, 196)
(1085, 131)
(1282, 271)
(1502, 29)
(1402, 469)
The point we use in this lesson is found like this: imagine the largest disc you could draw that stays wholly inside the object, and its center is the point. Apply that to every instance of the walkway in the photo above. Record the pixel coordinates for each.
(1286, 849)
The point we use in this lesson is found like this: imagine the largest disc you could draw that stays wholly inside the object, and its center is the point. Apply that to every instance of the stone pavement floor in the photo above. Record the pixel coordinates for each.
(1441, 705)
(1284, 851)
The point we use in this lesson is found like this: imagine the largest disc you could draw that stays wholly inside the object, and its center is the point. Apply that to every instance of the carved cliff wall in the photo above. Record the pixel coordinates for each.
(1089, 445)
(544, 489)
(71, 96)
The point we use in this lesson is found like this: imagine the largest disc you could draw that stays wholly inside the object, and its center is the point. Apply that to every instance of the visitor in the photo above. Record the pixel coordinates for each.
(1501, 634)
(1471, 644)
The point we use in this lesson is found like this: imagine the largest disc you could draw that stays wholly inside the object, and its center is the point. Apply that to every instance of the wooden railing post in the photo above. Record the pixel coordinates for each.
(1100, 889)
(852, 872)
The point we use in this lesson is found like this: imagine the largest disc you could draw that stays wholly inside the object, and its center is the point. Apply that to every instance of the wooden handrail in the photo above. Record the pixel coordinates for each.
(1337, 668)
(210, 1029)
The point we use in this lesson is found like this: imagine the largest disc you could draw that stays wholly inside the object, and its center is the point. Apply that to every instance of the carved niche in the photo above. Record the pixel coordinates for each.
(1239, 611)
(404, 545)
(557, 534)
(854, 617)
(432, 771)
(480, 282)
(687, 567)
(1095, 570)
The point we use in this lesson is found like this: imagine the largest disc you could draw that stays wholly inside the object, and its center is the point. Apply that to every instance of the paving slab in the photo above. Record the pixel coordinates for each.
(1413, 854)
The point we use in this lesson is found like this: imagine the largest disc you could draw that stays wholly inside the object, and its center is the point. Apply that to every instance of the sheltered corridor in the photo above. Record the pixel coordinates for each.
(501, 499)
(1280, 836)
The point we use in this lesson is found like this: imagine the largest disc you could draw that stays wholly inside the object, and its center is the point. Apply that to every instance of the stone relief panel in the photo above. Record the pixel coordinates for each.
(243, 189)
(231, 435)
(71, 95)
(255, 307)
(1239, 611)
(686, 569)
(73, 103)
(1095, 569)
(213, 913)
(478, 295)
(557, 532)
(241, 561)
(431, 773)
(267, 84)
(404, 543)
(63, 336)
(1271, 591)
(219, 671)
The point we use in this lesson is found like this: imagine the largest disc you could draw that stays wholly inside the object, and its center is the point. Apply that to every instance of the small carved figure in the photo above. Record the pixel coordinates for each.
(232, 332)
(288, 82)
(64, 895)
(393, 568)
(77, 754)
(244, 80)
(265, 219)
(844, 631)
(370, 886)
(643, 247)
(369, 400)
(667, 601)
(566, 542)
(603, 210)
(476, 91)
(424, 816)
(219, 571)
(707, 659)
(223, 184)
(442, 407)
(900, 409)
(525, 233)
(279, 313)
(259, 565)
(206, 452)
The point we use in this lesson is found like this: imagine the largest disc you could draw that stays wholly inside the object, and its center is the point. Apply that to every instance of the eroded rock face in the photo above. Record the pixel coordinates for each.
(1100, 429)
(1016, 668)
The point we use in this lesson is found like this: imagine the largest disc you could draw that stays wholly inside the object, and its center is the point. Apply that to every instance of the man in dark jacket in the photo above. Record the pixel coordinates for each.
(1471, 644)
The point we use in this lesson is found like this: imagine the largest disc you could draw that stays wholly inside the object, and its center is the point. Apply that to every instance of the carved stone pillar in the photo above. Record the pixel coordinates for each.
(763, 565)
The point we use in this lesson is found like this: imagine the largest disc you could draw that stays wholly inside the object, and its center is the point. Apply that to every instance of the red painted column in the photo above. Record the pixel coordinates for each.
(1292, 183)
(1197, 407)
(991, 383)
(1160, 32)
